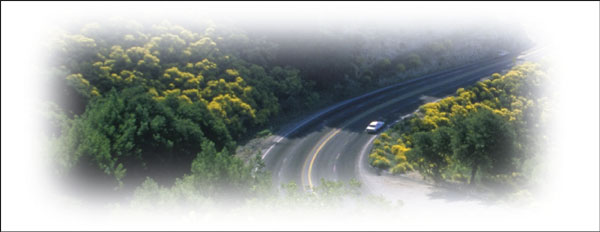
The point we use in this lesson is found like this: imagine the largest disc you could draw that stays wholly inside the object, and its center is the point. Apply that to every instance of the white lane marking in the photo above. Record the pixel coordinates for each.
(335, 162)
(281, 169)
(360, 160)
(340, 104)
(314, 156)
(271, 147)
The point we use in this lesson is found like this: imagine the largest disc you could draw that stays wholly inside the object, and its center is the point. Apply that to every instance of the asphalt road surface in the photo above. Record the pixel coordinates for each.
(332, 144)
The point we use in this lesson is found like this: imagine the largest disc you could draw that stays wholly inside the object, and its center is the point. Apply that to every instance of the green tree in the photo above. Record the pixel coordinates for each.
(435, 148)
(482, 138)
(219, 173)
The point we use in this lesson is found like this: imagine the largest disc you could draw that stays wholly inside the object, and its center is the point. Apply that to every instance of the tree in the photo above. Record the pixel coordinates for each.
(222, 174)
(435, 148)
(414, 61)
(236, 113)
(482, 138)
(145, 96)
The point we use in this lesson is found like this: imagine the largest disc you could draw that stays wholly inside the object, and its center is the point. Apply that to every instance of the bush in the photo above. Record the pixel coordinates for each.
(402, 168)
(263, 133)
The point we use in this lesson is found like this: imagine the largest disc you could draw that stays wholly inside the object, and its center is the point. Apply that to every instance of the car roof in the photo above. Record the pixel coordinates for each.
(374, 123)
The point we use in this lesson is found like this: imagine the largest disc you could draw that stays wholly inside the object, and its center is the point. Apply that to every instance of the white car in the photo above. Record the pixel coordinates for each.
(374, 126)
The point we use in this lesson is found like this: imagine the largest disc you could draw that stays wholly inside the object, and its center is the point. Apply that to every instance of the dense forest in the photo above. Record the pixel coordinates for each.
(164, 102)
(489, 132)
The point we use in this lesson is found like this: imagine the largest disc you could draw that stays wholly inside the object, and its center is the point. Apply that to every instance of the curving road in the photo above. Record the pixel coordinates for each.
(332, 143)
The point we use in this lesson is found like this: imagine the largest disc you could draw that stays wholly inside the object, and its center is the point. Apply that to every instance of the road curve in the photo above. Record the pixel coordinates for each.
(328, 144)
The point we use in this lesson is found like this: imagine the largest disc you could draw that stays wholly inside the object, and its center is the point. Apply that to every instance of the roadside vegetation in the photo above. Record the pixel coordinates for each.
(189, 194)
(490, 134)
(158, 108)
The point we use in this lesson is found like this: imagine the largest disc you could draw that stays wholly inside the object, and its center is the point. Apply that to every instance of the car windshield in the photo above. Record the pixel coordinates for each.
(373, 124)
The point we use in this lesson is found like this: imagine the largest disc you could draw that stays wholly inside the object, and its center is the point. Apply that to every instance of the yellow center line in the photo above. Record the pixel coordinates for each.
(390, 102)
(312, 161)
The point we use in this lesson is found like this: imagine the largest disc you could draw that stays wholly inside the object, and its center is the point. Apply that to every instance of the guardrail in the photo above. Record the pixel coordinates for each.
(343, 104)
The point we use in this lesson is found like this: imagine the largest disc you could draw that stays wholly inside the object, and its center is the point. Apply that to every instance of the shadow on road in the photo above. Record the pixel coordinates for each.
(336, 117)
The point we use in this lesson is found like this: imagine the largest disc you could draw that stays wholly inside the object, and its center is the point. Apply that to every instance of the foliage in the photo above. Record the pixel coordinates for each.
(215, 176)
(186, 195)
(490, 127)
(221, 174)
(135, 99)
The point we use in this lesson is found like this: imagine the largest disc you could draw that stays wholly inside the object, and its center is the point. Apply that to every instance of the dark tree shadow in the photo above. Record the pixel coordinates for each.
(337, 117)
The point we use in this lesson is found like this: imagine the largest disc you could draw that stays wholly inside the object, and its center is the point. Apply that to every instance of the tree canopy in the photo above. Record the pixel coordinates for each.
(490, 128)
(135, 100)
